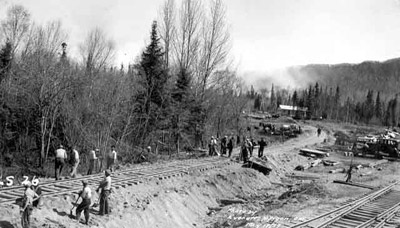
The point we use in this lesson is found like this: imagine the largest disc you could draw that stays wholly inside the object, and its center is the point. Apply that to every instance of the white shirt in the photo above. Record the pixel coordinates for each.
(75, 154)
(92, 154)
(113, 155)
(86, 193)
(106, 183)
(61, 153)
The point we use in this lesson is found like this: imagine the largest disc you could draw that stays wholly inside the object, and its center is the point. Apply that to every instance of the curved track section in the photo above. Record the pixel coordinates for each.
(377, 209)
(122, 178)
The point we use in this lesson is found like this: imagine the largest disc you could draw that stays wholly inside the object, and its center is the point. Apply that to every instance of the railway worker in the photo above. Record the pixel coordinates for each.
(111, 158)
(230, 146)
(348, 173)
(38, 190)
(105, 186)
(245, 150)
(27, 203)
(224, 142)
(86, 195)
(61, 157)
(212, 146)
(262, 144)
(253, 144)
(92, 161)
(74, 161)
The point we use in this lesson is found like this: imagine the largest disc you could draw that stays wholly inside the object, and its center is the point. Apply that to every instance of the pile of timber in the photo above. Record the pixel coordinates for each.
(353, 184)
(260, 165)
(313, 153)
(302, 176)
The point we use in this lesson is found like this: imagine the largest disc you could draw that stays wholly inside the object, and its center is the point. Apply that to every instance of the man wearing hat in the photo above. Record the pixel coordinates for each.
(92, 161)
(105, 186)
(26, 208)
(86, 195)
(61, 156)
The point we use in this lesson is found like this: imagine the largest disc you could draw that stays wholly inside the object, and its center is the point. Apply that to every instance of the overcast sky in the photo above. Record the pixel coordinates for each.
(266, 34)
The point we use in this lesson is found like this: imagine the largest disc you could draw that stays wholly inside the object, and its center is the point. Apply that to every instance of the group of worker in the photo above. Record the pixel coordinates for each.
(61, 159)
(247, 148)
(86, 195)
(32, 197)
(226, 146)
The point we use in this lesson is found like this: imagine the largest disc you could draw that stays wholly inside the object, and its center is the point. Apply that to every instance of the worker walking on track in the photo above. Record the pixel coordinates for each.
(74, 161)
(230, 146)
(105, 186)
(27, 205)
(86, 195)
(92, 161)
(61, 157)
(111, 158)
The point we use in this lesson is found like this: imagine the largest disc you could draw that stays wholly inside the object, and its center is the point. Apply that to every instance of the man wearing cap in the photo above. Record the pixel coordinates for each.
(26, 209)
(61, 156)
(111, 158)
(92, 161)
(86, 195)
(105, 186)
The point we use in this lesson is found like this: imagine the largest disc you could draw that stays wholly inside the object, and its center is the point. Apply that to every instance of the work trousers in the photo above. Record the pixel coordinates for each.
(58, 167)
(92, 163)
(110, 164)
(74, 169)
(230, 149)
(85, 207)
(104, 206)
(26, 217)
(260, 152)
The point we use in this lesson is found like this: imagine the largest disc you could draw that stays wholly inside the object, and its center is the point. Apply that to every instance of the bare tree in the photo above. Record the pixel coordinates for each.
(187, 39)
(97, 51)
(167, 29)
(16, 25)
(215, 44)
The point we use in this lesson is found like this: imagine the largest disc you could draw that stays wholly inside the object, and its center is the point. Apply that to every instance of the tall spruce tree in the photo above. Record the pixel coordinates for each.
(5, 60)
(153, 96)
(378, 106)
(180, 107)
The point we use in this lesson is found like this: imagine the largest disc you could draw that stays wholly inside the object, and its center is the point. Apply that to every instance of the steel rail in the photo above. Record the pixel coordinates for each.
(120, 178)
(347, 208)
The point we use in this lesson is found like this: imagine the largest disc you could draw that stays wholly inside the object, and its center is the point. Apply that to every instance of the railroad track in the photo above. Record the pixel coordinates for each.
(380, 208)
(120, 179)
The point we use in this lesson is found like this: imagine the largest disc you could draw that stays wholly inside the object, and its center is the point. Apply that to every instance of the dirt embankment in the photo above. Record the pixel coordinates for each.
(188, 201)
(177, 202)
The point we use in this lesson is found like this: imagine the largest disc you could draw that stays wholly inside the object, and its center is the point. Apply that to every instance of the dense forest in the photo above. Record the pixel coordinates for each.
(177, 93)
(330, 103)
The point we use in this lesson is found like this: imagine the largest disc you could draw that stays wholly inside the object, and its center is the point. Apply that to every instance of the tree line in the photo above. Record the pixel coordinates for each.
(179, 91)
(329, 103)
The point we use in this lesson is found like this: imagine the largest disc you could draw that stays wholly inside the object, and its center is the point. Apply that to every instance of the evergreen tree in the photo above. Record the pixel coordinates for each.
(5, 60)
(294, 98)
(337, 102)
(180, 107)
(369, 106)
(273, 99)
(378, 106)
(153, 77)
(257, 102)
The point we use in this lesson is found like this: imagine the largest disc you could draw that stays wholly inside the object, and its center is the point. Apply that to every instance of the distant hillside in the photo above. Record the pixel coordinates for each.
(354, 80)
